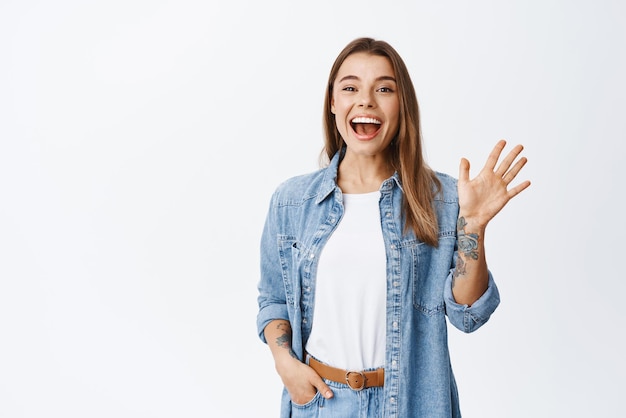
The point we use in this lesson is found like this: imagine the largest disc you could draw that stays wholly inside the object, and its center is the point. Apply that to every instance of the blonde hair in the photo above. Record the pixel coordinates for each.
(419, 182)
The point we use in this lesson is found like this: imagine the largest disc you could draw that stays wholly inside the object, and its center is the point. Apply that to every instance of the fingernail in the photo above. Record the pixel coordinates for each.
(328, 394)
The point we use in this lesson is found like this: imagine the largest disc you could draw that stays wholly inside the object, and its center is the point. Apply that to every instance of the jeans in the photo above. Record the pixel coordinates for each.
(346, 403)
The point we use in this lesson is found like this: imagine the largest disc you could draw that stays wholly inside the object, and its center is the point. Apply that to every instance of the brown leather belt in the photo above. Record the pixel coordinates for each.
(356, 380)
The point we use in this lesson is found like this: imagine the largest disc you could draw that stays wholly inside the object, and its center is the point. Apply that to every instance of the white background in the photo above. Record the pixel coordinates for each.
(140, 142)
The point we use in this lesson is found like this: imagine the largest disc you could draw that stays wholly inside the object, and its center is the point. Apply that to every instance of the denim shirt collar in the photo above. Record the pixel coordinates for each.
(329, 181)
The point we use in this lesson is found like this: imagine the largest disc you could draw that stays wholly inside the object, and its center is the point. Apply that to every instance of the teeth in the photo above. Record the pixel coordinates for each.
(366, 120)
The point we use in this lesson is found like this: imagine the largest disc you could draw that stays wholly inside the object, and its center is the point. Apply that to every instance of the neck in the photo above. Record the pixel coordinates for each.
(363, 175)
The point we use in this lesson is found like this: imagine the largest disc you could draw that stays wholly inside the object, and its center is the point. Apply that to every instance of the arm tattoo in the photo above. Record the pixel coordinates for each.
(459, 269)
(284, 340)
(468, 245)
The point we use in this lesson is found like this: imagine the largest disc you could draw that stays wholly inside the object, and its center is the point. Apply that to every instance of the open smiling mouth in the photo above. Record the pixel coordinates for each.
(365, 127)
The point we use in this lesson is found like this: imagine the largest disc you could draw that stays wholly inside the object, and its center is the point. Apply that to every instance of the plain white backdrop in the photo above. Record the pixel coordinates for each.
(140, 142)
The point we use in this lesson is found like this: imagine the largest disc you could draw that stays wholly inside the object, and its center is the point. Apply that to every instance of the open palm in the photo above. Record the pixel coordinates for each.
(484, 196)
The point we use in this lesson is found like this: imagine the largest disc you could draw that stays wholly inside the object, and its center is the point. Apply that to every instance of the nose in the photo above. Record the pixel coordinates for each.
(366, 100)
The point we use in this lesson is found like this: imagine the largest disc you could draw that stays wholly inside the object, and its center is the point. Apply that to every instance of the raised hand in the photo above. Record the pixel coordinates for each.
(482, 197)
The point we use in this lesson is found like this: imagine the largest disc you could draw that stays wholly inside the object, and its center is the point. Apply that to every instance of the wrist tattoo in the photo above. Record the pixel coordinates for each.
(284, 340)
(468, 243)
(468, 246)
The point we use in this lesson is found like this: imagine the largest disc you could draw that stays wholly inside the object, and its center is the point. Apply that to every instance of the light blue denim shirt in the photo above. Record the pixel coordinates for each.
(303, 213)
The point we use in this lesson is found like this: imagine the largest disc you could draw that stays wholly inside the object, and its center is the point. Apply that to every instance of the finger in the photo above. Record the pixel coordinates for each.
(464, 170)
(304, 397)
(322, 387)
(492, 160)
(508, 160)
(518, 189)
(512, 173)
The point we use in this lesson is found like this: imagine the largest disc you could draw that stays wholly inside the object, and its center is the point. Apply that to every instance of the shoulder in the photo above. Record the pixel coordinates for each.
(297, 189)
(448, 192)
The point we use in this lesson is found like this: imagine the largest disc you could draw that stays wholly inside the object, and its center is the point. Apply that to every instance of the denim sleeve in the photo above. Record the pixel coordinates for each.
(470, 318)
(272, 299)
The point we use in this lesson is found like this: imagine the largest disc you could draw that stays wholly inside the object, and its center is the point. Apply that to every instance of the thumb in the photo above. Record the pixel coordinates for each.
(464, 168)
(322, 387)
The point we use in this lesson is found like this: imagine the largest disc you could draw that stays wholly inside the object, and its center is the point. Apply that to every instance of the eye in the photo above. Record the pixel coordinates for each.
(348, 88)
(385, 90)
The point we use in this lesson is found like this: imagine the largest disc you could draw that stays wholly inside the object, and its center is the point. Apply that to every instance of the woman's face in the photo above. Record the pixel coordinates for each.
(365, 103)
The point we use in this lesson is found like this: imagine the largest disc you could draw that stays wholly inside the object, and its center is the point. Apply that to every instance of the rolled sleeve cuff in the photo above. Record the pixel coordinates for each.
(267, 314)
(470, 318)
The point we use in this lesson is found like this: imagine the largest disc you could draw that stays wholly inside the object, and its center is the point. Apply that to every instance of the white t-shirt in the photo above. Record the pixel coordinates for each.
(349, 316)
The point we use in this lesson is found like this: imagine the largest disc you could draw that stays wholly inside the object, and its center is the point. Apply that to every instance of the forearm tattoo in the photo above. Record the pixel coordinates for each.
(284, 340)
(459, 269)
(468, 246)
(468, 243)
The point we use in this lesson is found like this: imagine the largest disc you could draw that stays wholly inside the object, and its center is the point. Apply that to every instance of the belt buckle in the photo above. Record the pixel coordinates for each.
(357, 387)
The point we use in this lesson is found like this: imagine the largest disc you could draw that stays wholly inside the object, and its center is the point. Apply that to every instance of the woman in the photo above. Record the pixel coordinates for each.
(362, 260)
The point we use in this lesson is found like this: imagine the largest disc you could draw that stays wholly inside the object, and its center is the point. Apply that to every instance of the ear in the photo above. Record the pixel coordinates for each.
(332, 105)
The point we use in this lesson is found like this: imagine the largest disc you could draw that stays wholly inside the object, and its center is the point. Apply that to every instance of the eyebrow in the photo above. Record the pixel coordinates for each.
(381, 78)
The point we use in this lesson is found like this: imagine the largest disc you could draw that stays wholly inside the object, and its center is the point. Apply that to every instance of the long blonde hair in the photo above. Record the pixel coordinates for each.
(419, 182)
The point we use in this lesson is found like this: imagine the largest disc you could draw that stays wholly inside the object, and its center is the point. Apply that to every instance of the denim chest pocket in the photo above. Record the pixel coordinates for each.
(290, 255)
(295, 265)
(429, 269)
